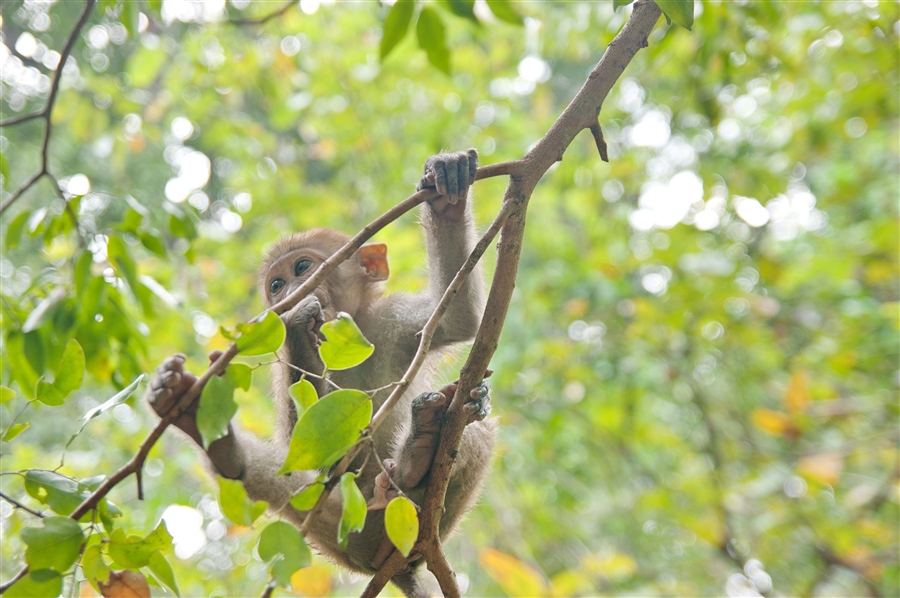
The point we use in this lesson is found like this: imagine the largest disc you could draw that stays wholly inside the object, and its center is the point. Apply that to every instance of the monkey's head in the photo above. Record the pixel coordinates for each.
(348, 288)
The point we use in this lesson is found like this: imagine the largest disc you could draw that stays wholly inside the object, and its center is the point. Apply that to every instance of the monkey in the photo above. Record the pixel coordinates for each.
(408, 437)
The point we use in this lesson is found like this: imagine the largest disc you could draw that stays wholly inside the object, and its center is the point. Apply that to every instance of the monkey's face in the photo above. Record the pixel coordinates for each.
(288, 271)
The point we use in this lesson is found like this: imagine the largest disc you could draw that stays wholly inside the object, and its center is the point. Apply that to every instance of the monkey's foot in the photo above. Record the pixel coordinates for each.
(167, 386)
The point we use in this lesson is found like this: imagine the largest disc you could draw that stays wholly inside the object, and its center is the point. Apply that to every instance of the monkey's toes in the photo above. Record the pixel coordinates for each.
(480, 406)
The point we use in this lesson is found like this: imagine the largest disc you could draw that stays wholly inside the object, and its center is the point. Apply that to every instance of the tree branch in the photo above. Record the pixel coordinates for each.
(19, 505)
(47, 111)
(265, 18)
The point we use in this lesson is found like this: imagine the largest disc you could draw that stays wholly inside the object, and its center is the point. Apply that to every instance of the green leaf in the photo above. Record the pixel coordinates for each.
(396, 25)
(618, 3)
(144, 64)
(53, 546)
(235, 503)
(6, 394)
(58, 492)
(503, 10)
(462, 8)
(94, 567)
(353, 511)
(305, 394)
(264, 336)
(14, 230)
(346, 346)
(402, 524)
(217, 405)
(327, 430)
(119, 397)
(68, 377)
(14, 430)
(37, 584)
(680, 11)
(153, 243)
(20, 368)
(430, 32)
(44, 310)
(4, 170)
(163, 571)
(283, 543)
(307, 499)
(133, 552)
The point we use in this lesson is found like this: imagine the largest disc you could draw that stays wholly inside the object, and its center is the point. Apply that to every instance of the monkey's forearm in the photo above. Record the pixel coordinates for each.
(449, 244)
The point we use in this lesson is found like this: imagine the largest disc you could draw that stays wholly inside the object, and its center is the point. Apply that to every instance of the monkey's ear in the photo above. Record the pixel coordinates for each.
(373, 258)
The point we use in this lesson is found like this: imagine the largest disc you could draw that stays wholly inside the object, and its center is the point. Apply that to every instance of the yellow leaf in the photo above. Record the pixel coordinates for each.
(515, 577)
(797, 395)
(824, 467)
(775, 423)
(314, 580)
(613, 566)
(572, 583)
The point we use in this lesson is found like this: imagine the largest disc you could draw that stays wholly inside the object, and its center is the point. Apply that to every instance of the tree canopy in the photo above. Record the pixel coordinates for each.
(697, 380)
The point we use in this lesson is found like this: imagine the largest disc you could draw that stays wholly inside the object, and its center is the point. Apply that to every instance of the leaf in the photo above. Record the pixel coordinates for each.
(44, 310)
(503, 10)
(396, 25)
(618, 3)
(119, 397)
(327, 430)
(4, 170)
(353, 511)
(264, 336)
(305, 394)
(153, 243)
(144, 64)
(14, 430)
(133, 552)
(55, 545)
(680, 11)
(163, 571)
(235, 503)
(126, 584)
(307, 499)
(217, 405)
(346, 346)
(462, 8)
(797, 396)
(14, 230)
(94, 567)
(775, 423)
(401, 521)
(824, 467)
(37, 584)
(21, 370)
(58, 492)
(515, 577)
(68, 377)
(6, 394)
(430, 33)
(285, 545)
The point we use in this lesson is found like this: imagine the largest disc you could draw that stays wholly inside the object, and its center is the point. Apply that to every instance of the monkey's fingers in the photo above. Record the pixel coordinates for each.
(473, 164)
(480, 406)
(213, 357)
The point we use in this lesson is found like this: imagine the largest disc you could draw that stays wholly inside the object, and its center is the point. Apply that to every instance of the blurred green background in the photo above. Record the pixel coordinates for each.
(697, 382)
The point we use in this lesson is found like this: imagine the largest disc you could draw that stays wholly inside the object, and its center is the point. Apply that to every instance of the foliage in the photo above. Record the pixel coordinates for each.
(697, 381)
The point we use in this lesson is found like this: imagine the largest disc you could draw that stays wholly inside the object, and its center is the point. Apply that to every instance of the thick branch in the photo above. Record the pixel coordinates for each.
(580, 114)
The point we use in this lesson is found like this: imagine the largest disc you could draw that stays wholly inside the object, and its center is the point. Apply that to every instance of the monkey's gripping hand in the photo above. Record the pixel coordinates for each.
(428, 411)
(166, 388)
(451, 175)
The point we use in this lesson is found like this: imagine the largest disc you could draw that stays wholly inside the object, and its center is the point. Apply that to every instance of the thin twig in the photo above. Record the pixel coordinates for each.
(269, 589)
(265, 18)
(597, 133)
(19, 505)
(47, 112)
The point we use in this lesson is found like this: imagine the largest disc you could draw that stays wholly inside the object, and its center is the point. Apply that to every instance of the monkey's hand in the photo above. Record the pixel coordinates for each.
(451, 174)
(166, 388)
(304, 323)
(428, 411)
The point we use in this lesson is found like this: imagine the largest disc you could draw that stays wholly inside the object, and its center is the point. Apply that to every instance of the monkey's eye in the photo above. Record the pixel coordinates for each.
(301, 267)
(276, 285)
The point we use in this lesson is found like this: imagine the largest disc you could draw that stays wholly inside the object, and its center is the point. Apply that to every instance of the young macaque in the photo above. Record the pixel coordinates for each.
(407, 440)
